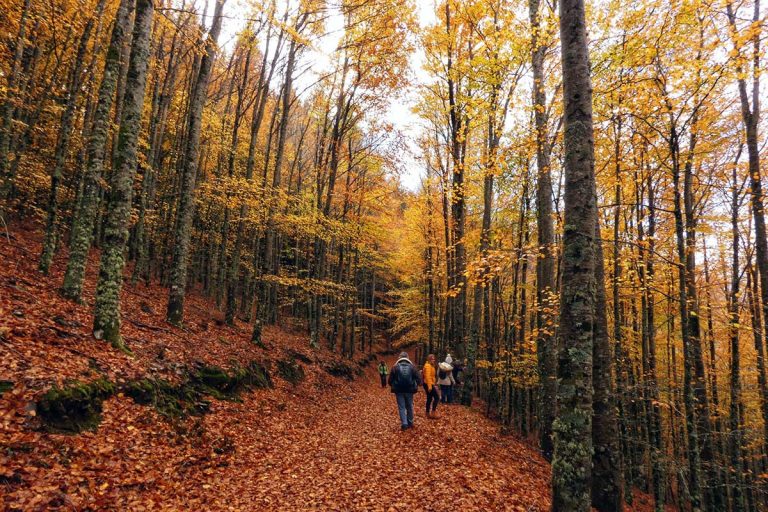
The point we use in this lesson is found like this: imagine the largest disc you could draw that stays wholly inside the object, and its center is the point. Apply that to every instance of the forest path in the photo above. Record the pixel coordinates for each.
(350, 454)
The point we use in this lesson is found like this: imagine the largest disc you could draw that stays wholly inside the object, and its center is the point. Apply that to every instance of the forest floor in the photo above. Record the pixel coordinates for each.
(324, 436)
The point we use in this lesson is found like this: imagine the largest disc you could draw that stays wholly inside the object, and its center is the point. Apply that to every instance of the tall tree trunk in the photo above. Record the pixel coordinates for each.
(81, 235)
(572, 460)
(607, 485)
(647, 276)
(8, 106)
(51, 242)
(689, 325)
(546, 348)
(185, 211)
(256, 120)
(735, 445)
(106, 322)
(282, 130)
(750, 115)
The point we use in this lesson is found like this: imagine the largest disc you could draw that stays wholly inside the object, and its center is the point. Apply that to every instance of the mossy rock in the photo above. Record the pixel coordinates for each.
(224, 385)
(76, 407)
(299, 356)
(169, 400)
(257, 376)
(290, 370)
(341, 369)
(5, 386)
(214, 381)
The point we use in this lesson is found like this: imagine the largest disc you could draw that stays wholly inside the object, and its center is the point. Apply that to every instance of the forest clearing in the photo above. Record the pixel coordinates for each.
(383, 255)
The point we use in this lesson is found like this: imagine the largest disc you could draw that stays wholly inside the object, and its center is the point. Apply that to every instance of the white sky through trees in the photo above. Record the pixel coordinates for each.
(316, 61)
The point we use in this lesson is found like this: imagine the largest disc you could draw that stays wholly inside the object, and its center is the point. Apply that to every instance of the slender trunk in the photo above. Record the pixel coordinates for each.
(736, 442)
(689, 324)
(8, 106)
(647, 279)
(51, 242)
(750, 115)
(175, 313)
(607, 485)
(106, 323)
(81, 235)
(546, 348)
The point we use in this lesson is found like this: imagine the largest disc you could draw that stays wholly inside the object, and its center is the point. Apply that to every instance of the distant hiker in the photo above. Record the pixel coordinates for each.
(445, 380)
(404, 381)
(458, 369)
(383, 372)
(430, 386)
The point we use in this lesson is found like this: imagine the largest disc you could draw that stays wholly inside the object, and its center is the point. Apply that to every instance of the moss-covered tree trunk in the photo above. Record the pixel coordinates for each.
(572, 460)
(106, 323)
(51, 241)
(8, 105)
(81, 234)
(184, 214)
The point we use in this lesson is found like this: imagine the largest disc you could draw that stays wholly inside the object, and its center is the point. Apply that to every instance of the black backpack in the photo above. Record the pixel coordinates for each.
(403, 380)
(442, 374)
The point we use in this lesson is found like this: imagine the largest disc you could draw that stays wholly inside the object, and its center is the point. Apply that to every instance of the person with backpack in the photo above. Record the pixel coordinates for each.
(430, 386)
(458, 369)
(383, 372)
(404, 381)
(445, 380)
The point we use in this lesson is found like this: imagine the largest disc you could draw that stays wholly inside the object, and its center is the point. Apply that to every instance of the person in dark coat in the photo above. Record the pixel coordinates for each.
(404, 380)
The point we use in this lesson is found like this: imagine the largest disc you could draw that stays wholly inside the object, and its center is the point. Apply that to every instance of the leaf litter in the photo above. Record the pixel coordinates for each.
(323, 443)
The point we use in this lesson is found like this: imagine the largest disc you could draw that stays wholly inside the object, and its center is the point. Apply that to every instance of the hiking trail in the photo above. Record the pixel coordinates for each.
(352, 455)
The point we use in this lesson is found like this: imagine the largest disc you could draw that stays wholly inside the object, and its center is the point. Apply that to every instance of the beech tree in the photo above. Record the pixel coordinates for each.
(571, 462)
(585, 237)
(182, 235)
(106, 322)
(83, 219)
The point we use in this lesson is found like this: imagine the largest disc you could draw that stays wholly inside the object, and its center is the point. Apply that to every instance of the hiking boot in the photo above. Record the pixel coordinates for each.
(410, 425)
(403, 428)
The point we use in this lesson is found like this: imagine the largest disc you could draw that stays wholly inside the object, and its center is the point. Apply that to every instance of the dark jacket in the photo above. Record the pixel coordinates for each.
(457, 371)
(397, 384)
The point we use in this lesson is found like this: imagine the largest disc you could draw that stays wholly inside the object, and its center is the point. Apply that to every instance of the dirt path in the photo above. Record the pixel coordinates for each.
(351, 455)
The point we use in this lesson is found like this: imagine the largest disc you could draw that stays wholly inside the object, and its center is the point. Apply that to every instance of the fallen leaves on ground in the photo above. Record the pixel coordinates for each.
(324, 444)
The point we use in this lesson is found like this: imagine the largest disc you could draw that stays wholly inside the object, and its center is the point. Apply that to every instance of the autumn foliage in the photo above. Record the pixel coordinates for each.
(212, 219)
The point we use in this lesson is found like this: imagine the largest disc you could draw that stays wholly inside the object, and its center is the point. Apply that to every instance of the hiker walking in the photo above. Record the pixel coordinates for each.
(445, 380)
(404, 381)
(458, 369)
(383, 372)
(430, 386)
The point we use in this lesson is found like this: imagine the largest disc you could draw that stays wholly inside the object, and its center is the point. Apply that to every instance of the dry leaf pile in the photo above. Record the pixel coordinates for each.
(323, 444)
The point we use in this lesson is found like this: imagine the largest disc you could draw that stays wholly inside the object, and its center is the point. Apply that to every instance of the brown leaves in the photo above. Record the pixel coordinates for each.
(323, 444)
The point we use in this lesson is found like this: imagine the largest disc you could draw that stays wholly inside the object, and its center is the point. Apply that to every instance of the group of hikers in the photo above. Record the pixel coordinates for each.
(440, 383)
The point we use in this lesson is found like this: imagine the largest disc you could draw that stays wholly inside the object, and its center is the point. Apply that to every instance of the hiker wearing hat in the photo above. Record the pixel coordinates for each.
(430, 385)
(445, 380)
(404, 381)
(383, 372)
